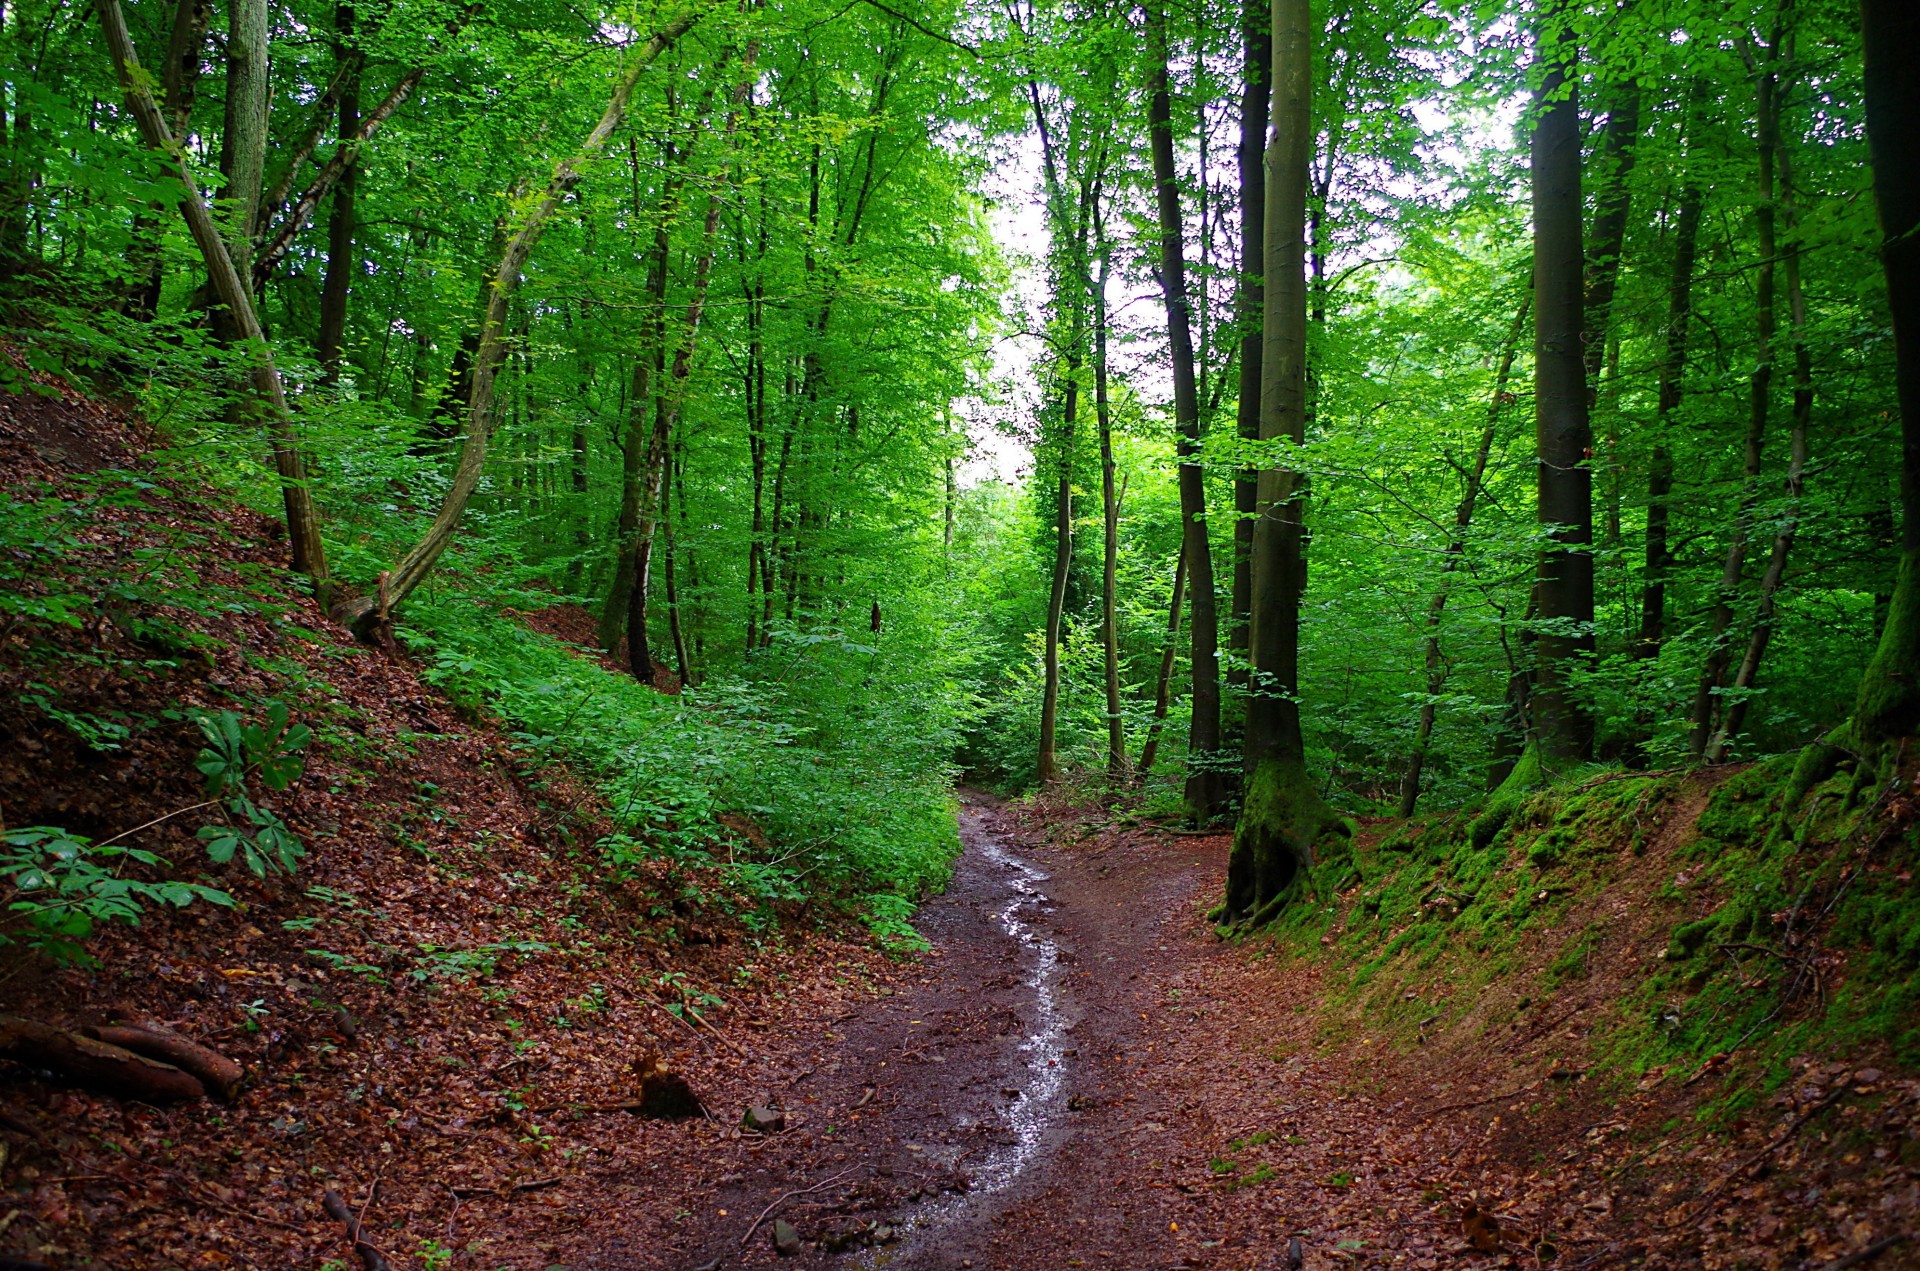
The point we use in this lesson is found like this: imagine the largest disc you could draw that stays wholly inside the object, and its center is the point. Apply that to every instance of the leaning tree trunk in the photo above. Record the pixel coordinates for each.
(1436, 666)
(369, 616)
(303, 522)
(1561, 730)
(1888, 708)
(1283, 817)
(1206, 786)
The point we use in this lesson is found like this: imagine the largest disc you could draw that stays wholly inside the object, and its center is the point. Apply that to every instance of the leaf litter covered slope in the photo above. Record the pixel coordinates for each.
(438, 1014)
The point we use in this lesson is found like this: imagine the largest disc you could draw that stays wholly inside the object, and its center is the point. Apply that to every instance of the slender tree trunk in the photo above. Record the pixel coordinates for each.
(1206, 787)
(1046, 767)
(1734, 712)
(1673, 368)
(303, 522)
(673, 392)
(1456, 552)
(1283, 815)
(1110, 509)
(341, 226)
(368, 615)
(1713, 672)
(1561, 729)
(243, 144)
(1255, 94)
(1888, 708)
(1163, 683)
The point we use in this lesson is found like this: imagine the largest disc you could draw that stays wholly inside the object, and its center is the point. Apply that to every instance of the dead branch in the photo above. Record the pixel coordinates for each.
(801, 1191)
(95, 1063)
(1778, 1140)
(1479, 1103)
(1867, 1254)
(370, 1257)
(216, 1072)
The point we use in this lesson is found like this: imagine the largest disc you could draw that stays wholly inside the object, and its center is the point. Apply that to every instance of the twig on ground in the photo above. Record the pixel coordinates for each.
(866, 1098)
(531, 1185)
(1478, 1103)
(800, 1191)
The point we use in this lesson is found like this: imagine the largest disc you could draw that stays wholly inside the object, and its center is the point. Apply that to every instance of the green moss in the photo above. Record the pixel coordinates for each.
(1285, 831)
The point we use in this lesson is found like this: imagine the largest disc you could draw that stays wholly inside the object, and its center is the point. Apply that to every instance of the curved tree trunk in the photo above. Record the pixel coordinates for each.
(369, 615)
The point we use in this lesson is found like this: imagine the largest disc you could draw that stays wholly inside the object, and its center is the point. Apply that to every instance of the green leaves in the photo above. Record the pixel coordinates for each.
(63, 885)
(235, 752)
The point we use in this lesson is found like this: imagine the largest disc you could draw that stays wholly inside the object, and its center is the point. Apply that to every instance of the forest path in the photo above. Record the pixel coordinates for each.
(1023, 1107)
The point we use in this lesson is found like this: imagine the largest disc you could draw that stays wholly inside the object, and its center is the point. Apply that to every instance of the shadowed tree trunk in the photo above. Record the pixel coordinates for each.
(1283, 817)
(1206, 787)
(1563, 591)
(341, 226)
(1255, 94)
(243, 140)
(1888, 708)
(1673, 367)
(1713, 672)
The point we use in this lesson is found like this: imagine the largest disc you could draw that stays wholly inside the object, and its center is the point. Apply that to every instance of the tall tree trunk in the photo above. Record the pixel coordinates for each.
(1888, 708)
(303, 522)
(368, 615)
(243, 141)
(1456, 552)
(1713, 671)
(1283, 815)
(1562, 730)
(1255, 94)
(1673, 368)
(341, 224)
(1206, 786)
(1163, 683)
(1110, 510)
(1734, 711)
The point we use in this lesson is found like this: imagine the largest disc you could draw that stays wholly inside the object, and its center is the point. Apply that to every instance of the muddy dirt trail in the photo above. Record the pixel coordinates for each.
(1011, 1110)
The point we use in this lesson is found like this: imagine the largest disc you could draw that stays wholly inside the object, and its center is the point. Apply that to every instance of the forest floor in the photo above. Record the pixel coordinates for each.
(442, 1014)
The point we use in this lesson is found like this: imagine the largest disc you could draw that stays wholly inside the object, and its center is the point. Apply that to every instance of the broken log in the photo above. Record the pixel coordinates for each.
(216, 1072)
(95, 1063)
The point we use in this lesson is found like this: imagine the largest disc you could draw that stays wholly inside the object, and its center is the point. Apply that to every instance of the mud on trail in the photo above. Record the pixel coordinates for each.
(1057, 1089)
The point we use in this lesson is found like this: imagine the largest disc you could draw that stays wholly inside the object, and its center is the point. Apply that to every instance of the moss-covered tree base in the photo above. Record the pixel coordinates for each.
(1527, 776)
(1285, 826)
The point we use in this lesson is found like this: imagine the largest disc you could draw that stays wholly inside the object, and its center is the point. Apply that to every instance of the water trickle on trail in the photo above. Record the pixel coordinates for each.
(1041, 1103)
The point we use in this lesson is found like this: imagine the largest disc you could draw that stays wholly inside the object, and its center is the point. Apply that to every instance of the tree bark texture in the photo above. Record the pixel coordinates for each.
(1255, 95)
(1673, 367)
(337, 288)
(243, 140)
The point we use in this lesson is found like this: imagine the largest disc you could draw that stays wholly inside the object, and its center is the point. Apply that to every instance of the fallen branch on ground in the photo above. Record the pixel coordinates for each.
(370, 1257)
(802, 1191)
